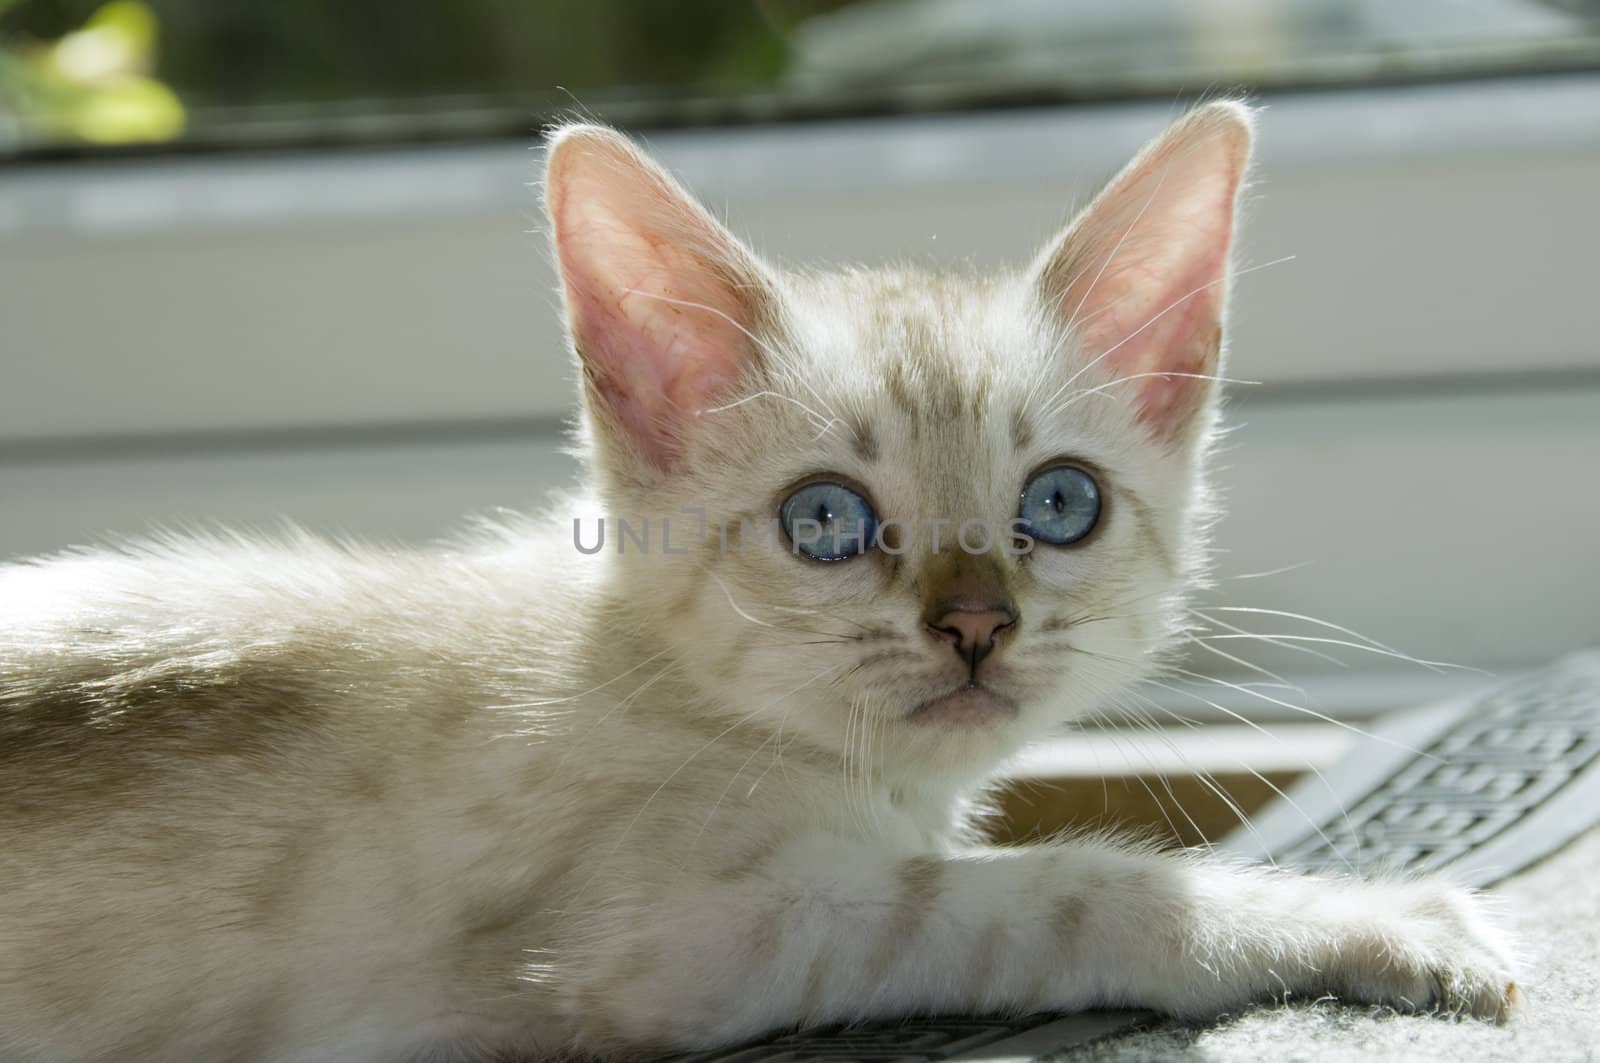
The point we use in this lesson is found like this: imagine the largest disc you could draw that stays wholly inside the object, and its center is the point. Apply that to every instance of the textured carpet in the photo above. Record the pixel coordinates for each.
(1554, 909)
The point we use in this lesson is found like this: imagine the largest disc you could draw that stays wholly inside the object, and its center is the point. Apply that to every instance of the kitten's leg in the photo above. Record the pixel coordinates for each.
(822, 931)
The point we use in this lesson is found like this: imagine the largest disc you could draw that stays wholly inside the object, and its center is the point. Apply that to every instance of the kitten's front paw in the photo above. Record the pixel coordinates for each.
(1428, 947)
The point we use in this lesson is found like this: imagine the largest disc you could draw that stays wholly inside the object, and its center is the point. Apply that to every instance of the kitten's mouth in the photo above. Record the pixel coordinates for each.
(969, 705)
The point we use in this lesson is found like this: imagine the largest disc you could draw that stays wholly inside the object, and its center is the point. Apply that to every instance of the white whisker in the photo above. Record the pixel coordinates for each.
(1249, 666)
(1077, 396)
(1297, 566)
(1252, 771)
(735, 605)
(1342, 630)
(1268, 639)
(1302, 709)
(1437, 666)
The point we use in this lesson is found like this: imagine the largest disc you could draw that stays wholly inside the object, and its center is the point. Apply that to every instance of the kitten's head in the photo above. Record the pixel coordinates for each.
(949, 512)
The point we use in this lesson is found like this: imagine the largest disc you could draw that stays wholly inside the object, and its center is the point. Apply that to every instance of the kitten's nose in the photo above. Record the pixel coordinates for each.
(972, 632)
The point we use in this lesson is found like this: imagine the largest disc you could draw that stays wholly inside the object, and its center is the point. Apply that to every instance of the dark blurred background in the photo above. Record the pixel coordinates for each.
(232, 72)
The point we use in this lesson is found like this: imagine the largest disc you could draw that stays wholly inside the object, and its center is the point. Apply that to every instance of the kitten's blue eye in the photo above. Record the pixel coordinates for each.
(1060, 505)
(828, 521)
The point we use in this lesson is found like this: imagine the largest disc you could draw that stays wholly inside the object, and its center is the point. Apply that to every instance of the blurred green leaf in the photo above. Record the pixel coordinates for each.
(131, 109)
(93, 84)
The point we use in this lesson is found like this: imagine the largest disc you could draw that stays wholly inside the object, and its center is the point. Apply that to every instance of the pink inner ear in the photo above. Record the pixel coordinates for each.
(655, 313)
(1141, 276)
(657, 345)
(1169, 323)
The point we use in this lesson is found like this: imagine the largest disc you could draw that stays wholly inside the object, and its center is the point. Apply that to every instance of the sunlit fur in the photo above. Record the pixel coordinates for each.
(288, 800)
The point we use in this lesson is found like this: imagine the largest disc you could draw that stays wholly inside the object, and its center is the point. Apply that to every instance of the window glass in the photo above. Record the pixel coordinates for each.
(75, 74)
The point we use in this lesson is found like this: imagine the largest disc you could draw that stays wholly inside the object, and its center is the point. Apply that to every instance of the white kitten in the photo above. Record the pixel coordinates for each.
(292, 802)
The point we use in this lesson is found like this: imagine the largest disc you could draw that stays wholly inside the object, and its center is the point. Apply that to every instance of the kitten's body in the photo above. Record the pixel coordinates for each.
(300, 802)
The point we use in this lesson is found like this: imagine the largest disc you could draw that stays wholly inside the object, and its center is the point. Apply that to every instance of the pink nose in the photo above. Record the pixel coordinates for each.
(972, 632)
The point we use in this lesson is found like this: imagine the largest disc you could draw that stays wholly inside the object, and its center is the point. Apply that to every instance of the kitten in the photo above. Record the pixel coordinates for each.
(296, 801)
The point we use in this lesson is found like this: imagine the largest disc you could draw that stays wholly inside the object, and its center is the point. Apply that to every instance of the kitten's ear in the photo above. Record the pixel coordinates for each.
(661, 300)
(1141, 275)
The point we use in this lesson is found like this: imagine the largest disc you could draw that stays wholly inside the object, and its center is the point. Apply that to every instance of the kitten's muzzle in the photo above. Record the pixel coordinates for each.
(967, 605)
(973, 632)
